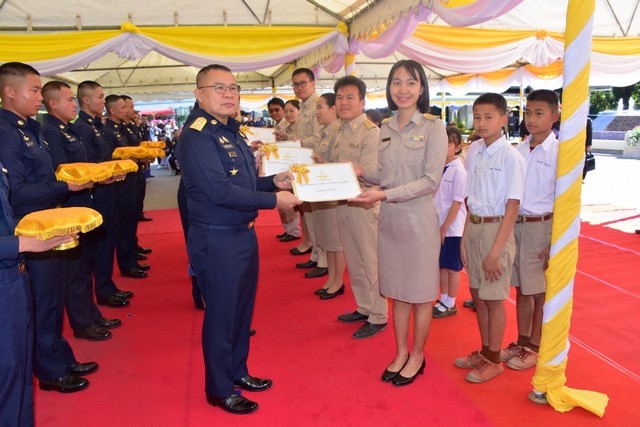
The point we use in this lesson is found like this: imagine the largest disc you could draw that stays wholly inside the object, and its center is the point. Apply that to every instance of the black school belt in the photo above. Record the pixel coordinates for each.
(245, 226)
(521, 219)
(475, 219)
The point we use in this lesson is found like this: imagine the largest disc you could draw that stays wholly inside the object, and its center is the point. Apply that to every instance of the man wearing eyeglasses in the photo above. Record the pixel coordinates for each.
(304, 86)
(224, 194)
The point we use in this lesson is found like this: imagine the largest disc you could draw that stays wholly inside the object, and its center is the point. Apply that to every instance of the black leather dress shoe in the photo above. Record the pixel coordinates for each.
(123, 294)
(400, 381)
(108, 323)
(368, 330)
(134, 273)
(388, 375)
(328, 295)
(140, 257)
(250, 383)
(289, 238)
(320, 291)
(143, 267)
(144, 251)
(280, 236)
(252, 332)
(113, 301)
(296, 252)
(316, 272)
(352, 317)
(67, 384)
(79, 369)
(144, 218)
(234, 404)
(93, 333)
(308, 264)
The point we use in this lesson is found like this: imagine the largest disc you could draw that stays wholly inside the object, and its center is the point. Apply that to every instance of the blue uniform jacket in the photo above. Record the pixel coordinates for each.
(9, 256)
(26, 157)
(66, 147)
(89, 129)
(219, 173)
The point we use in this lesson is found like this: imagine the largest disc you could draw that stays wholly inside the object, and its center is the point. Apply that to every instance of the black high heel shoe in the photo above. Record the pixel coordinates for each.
(328, 295)
(388, 375)
(399, 380)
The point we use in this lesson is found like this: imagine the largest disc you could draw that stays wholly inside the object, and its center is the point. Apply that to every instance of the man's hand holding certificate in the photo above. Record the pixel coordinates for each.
(324, 182)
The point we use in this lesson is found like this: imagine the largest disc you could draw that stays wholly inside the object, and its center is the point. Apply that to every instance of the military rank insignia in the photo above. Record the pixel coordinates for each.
(198, 124)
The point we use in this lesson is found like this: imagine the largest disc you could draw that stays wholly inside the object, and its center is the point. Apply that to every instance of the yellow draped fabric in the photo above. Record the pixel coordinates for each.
(153, 144)
(549, 380)
(210, 40)
(137, 153)
(121, 167)
(50, 223)
(82, 173)
(485, 38)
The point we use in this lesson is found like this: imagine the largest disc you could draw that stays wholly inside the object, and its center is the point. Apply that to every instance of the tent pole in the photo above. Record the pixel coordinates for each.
(443, 112)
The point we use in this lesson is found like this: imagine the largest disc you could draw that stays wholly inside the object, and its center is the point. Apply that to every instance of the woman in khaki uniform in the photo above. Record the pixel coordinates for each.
(412, 152)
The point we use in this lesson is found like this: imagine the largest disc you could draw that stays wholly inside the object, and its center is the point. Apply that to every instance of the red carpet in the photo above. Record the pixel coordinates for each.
(151, 371)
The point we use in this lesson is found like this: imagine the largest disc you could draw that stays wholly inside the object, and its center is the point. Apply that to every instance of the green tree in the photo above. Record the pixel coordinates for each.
(601, 100)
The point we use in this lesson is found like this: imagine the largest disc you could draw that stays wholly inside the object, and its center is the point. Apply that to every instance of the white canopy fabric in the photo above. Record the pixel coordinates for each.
(134, 61)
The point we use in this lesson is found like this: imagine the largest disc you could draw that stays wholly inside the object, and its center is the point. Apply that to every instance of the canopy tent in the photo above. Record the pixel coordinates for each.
(90, 41)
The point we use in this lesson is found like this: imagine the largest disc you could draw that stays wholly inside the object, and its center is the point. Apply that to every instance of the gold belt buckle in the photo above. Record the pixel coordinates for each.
(22, 266)
(475, 219)
(250, 225)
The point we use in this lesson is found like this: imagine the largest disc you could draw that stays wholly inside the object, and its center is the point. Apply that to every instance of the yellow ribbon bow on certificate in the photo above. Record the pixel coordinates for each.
(302, 172)
(267, 149)
(246, 130)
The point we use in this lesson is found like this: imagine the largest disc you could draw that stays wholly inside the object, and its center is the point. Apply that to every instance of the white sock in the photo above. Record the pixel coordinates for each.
(439, 306)
(451, 301)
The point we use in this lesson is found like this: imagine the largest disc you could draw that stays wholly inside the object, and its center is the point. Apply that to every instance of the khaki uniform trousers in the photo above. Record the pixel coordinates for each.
(317, 254)
(358, 229)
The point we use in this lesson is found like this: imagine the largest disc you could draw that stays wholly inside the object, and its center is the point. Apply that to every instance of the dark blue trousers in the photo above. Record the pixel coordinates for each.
(184, 219)
(53, 354)
(127, 222)
(81, 309)
(105, 202)
(16, 336)
(226, 266)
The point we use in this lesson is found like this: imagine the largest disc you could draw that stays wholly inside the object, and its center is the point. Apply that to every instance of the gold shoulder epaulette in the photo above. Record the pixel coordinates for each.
(369, 124)
(198, 123)
(387, 120)
(429, 116)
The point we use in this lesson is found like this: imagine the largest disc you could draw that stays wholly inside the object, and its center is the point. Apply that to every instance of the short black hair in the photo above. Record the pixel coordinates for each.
(15, 69)
(494, 99)
(293, 102)
(546, 96)
(275, 101)
(306, 71)
(126, 97)
(110, 101)
(351, 81)
(51, 86)
(208, 68)
(417, 72)
(330, 97)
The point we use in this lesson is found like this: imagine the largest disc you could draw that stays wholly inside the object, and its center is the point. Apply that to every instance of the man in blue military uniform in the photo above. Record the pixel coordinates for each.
(223, 197)
(126, 194)
(26, 157)
(89, 128)
(16, 316)
(66, 147)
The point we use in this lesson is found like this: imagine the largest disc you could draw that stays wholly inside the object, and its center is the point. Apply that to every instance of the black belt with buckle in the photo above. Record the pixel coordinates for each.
(248, 225)
(475, 219)
(521, 219)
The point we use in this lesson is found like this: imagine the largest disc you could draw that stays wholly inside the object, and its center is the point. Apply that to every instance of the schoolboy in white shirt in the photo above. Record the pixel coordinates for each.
(494, 190)
(452, 213)
(533, 227)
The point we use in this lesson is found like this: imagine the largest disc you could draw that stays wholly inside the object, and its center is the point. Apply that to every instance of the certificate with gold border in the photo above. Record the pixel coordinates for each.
(276, 158)
(324, 182)
(259, 134)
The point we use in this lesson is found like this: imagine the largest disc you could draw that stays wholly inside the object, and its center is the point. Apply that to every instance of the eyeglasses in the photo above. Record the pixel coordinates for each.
(222, 88)
(301, 84)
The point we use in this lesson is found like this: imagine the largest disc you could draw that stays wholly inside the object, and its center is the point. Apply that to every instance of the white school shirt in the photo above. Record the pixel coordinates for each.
(495, 175)
(451, 189)
(540, 178)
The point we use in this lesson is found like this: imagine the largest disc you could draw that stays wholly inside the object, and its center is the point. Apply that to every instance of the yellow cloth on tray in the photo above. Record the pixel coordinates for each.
(153, 144)
(81, 173)
(50, 223)
(137, 153)
(121, 167)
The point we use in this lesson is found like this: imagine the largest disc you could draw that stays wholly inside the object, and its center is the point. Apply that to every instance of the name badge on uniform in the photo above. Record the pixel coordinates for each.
(232, 154)
(353, 145)
(416, 138)
(386, 139)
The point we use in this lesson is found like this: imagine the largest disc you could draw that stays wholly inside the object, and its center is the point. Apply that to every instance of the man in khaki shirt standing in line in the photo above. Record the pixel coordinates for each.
(304, 86)
(357, 142)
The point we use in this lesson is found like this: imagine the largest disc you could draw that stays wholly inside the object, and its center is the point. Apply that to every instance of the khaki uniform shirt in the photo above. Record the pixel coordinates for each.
(308, 127)
(357, 142)
(328, 135)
